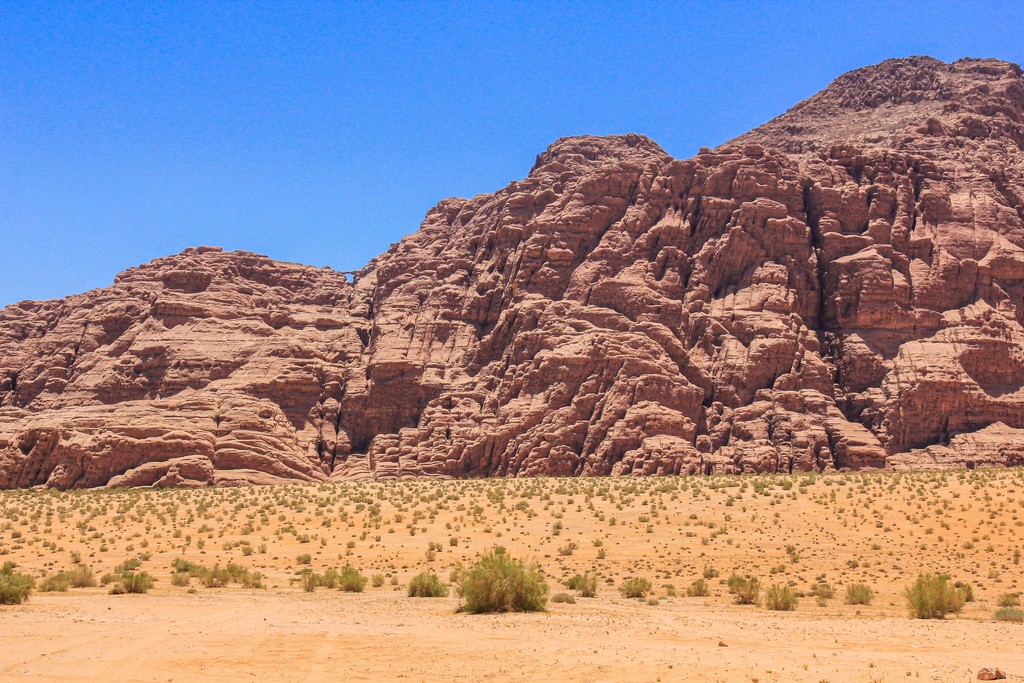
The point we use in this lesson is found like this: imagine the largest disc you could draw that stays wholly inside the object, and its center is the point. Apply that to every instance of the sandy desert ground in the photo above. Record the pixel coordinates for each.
(877, 529)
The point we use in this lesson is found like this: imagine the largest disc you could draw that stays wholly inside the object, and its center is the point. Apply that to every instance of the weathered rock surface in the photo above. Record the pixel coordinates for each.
(840, 288)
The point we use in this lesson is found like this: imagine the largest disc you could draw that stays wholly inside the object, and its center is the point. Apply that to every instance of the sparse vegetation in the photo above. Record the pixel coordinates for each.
(427, 585)
(933, 597)
(859, 594)
(635, 587)
(14, 585)
(499, 583)
(780, 598)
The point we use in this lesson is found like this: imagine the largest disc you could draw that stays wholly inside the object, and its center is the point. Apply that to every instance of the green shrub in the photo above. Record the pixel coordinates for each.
(824, 591)
(132, 582)
(55, 583)
(565, 598)
(218, 577)
(305, 558)
(329, 579)
(1011, 614)
(966, 590)
(14, 586)
(499, 583)
(933, 597)
(635, 587)
(745, 589)
(427, 585)
(1009, 600)
(351, 581)
(180, 579)
(82, 577)
(859, 594)
(698, 589)
(586, 584)
(310, 580)
(780, 598)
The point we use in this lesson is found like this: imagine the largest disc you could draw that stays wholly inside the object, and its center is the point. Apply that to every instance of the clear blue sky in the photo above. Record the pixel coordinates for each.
(322, 132)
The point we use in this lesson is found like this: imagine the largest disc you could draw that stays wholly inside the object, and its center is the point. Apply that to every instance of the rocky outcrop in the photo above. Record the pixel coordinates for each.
(840, 288)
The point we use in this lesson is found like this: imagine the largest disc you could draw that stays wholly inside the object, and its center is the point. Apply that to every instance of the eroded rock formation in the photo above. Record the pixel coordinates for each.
(842, 287)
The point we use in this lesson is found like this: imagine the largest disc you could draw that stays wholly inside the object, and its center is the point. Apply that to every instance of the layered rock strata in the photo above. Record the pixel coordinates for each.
(842, 287)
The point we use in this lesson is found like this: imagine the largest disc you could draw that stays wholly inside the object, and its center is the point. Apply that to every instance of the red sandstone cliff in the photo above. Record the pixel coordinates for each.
(841, 287)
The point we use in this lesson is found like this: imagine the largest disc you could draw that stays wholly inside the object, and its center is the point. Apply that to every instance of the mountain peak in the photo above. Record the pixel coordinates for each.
(880, 104)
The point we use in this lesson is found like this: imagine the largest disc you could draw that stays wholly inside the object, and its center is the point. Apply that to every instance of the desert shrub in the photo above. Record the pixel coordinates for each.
(305, 558)
(859, 594)
(181, 579)
(351, 581)
(824, 590)
(132, 582)
(698, 589)
(59, 582)
(780, 598)
(427, 585)
(635, 587)
(82, 577)
(745, 589)
(933, 597)
(218, 577)
(14, 586)
(586, 584)
(499, 583)
(310, 580)
(966, 590)
(252, 580)
(565, 598)
(1009, 600)
(330, 578)
(377, 580)
(128, 565)
(1011, 614)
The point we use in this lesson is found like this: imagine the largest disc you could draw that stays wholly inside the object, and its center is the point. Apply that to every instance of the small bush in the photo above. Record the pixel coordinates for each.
(1011, 614)
(329, 579)
(1009, 600)
(780, 598)
(745, 589)
(635, 587)
(698, 589)
(933, 597)
(55, 583)
(14, 586)
(180, 579)
(351, 581)
(966, 590)
(218, 577)
(305, 558)
(82, 577)
(564, 598)
(427, 585)
(824, 590)
(310, 580)
(859, 594)
(499, 583)
(132, 582)
(377, 580)
(586, 584)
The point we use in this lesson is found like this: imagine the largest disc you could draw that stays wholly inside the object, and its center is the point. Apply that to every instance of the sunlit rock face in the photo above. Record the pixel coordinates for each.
(842, 287)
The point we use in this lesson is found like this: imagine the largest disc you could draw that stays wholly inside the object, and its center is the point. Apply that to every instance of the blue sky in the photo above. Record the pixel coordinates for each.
(322, 132)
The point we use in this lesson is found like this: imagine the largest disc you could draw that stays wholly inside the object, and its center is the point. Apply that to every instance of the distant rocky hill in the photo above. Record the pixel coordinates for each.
(842, 287)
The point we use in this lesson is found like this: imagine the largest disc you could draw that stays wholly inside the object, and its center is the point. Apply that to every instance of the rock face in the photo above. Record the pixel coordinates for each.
(842, 287)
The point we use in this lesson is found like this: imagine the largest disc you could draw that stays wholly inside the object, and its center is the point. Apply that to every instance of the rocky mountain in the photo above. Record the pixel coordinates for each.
(842, 287)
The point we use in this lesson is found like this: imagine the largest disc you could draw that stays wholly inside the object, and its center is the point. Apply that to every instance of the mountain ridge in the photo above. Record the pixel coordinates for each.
(792, 300)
